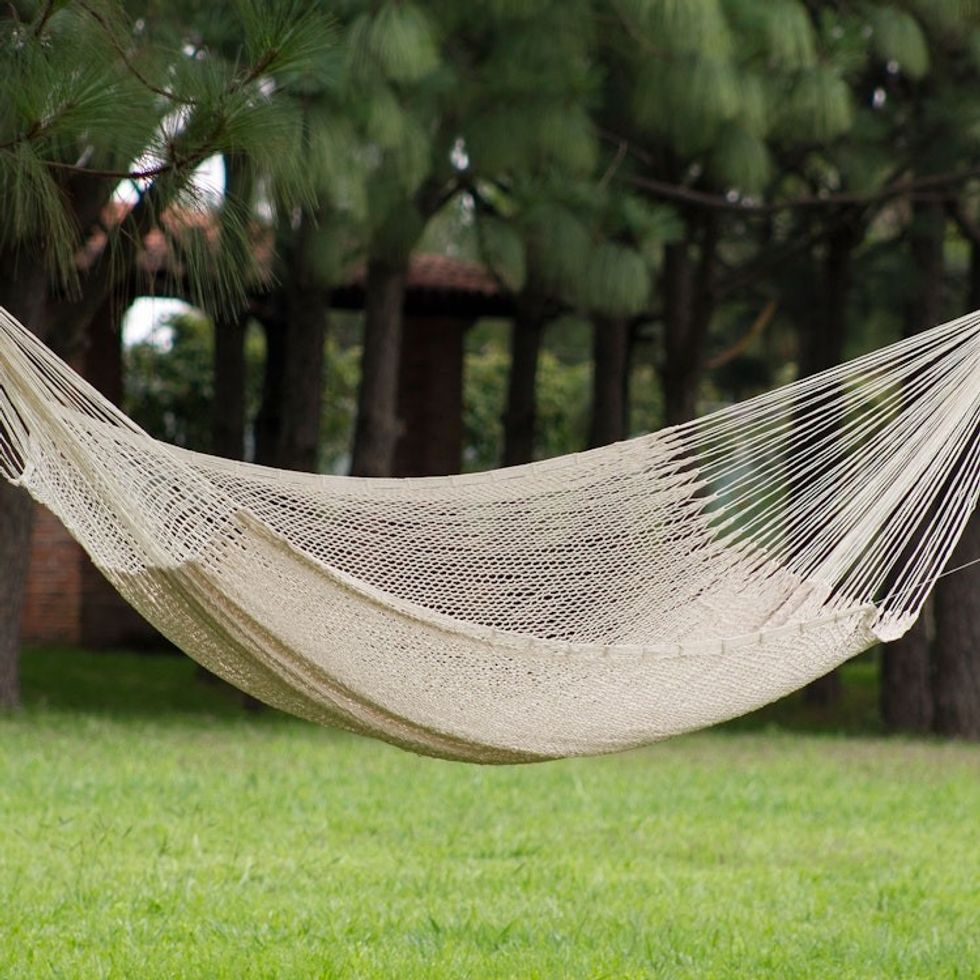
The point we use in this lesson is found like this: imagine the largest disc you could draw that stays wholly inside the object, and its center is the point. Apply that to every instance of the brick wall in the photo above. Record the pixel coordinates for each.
(53, 606)
(68, 600)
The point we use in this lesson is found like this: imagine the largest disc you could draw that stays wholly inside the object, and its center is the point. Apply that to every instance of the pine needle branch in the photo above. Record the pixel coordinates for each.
(771, 258)
(44, 18)
(755, 331)
(171, 166)
(614, 165)
(719, 202)
(684, 194)
(126, 60)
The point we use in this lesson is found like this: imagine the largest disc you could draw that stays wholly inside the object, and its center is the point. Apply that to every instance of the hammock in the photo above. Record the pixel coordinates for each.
(581, 605)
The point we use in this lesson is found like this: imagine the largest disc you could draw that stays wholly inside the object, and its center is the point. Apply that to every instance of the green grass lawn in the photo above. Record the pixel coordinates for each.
(149, 828)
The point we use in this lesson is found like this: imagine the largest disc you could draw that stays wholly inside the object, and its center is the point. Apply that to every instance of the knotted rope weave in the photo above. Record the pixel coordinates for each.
(576, 606)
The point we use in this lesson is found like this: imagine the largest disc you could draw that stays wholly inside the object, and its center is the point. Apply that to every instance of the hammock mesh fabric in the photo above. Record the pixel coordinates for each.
(576, 606)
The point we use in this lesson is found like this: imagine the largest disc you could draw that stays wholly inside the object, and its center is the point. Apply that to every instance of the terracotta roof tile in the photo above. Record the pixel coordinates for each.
(427, 271)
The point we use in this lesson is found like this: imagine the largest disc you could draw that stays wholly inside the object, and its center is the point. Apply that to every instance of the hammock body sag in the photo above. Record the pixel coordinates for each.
(580, 605)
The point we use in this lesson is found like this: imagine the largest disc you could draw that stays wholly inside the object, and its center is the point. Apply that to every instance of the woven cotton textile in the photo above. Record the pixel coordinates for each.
(580, 605)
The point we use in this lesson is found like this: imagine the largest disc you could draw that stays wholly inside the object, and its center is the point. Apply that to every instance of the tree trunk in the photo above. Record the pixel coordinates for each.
(956, 654)
(610, 381)
(102, 360)
(520, 414)
(430, 397)
(677, 371)
(689, 304)
(25, 293)
(823, 348)
(105, 620)
(16, 517)
(228, 421)
(906, 670)
(956, 676)
(287, 429)
(228, 412)
(268, 421)
(25, 298)
(973, 289)
(823, 343)
(302, 392)
(906, 696)
(377, 429)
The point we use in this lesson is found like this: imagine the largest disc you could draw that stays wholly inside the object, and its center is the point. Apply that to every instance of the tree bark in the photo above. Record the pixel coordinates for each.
(378, 427)
(105, 619)
(102, 360)
(228, 412)
(228, 422)
(16, 518)
(25, 298)
(823, 348)
(905, 696)
(956, 676)
(610, 381)
(973, 289)
(268, 421)
(25, 291)
(823, 343)
(287, 429)
(689, 293)
(520, 414)
(956, 654)
(907, 702)
(302, 392)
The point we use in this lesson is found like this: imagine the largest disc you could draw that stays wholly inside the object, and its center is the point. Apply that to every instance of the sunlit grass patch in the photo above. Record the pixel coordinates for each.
(150, 828)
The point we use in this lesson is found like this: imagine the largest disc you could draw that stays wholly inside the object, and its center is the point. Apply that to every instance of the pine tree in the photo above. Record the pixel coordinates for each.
(458, 100)
(90, 98)
(957, 597)
(403, 97)
(943, 137)
(712, 98)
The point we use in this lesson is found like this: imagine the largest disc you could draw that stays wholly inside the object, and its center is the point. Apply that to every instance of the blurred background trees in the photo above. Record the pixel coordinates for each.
(449, 236)
(97, 102)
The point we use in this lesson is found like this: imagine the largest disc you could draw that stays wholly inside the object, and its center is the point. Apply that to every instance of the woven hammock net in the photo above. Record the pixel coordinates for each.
(581, 605)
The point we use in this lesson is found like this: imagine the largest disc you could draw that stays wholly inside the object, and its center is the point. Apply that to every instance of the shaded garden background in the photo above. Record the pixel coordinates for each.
(675, 205)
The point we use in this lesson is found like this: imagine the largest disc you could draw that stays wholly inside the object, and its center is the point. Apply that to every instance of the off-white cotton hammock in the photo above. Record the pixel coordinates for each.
(577, 606)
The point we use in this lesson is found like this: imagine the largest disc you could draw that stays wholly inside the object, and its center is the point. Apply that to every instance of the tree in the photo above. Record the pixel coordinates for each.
(926, 680)
(85, 93)
(736, 111)
(957, 597)
(405, 96)
(455, 100)
(49, 106)
(294, 318)
(671, 97)
(571, 243)
(906, 674)
(612, 340)
(228, 411)
(957, 642)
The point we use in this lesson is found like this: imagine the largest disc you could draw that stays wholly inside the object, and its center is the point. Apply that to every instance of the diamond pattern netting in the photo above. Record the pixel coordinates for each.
(580, 605)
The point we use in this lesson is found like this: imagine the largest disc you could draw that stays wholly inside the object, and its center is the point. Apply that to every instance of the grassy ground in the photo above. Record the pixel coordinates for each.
(150, 829)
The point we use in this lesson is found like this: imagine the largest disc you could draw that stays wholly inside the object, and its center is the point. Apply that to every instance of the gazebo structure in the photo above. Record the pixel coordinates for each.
(67, 599)
(443, 297)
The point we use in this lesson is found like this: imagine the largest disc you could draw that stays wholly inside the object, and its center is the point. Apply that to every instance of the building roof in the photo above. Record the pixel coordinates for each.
(436, 284)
